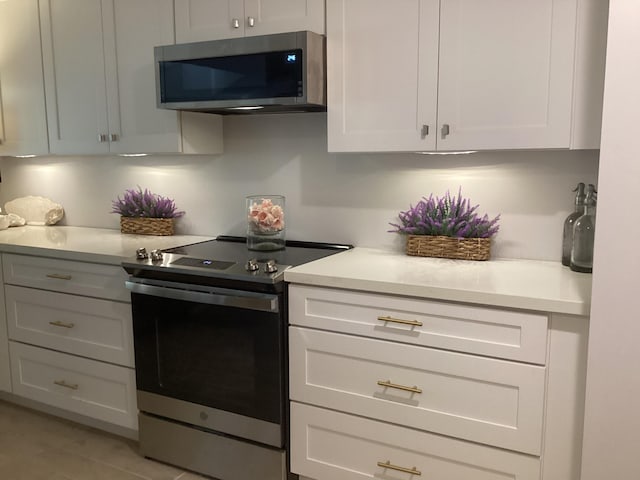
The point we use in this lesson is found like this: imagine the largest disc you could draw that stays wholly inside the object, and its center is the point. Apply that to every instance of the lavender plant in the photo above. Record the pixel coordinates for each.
(448, 216)
(139, 203)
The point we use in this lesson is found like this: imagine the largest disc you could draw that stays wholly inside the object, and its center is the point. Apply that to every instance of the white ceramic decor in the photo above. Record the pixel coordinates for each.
(5, 222)
(36, 210)
(16, 220)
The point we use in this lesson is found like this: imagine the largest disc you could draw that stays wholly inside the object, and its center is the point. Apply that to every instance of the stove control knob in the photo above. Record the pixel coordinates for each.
(252, 265)
(141, 254)
(156, 255)
(270, 266)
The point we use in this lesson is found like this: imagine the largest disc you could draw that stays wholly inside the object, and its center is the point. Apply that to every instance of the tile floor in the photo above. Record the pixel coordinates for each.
(36, 446)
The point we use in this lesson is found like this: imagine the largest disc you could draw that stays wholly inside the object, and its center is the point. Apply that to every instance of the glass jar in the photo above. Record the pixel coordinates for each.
(265, 222)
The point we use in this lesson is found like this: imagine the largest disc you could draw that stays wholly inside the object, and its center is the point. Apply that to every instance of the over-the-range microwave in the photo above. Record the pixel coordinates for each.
(276, 73)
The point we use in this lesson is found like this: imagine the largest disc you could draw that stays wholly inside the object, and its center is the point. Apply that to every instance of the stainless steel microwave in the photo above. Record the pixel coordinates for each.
(276, 73)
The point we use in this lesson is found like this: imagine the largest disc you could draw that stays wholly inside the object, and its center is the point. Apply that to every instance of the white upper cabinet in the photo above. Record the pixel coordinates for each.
(23, 127)
(455, 74)
(199, 20)
(75, 82)
(506, 71)
(382, 74)
(133, 115)
(100, 78)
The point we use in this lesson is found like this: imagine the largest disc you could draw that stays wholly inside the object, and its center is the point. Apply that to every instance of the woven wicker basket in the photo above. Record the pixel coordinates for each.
(449, 247)
(146, 226)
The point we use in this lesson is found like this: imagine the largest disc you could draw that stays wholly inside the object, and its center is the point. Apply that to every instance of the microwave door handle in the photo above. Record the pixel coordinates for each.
(265, 303)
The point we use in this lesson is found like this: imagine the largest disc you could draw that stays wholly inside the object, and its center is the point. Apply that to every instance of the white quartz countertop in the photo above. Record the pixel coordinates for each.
(524, 284)
(99, 245)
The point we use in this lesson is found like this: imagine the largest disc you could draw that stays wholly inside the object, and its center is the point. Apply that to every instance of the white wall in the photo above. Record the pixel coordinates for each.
(612, 419)
(330, 197)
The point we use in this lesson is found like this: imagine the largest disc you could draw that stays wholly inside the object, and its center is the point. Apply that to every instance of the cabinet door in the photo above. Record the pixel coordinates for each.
(326, 444)
(382, 61)
(263, 17)
(5, 369)
(95, 389)
(494, 402)
(23, 122)
(131, 29)
(199, 20)
(506, 72)
(74, 76)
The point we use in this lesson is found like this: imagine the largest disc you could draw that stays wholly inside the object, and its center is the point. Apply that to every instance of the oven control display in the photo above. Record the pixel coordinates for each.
(203, 262)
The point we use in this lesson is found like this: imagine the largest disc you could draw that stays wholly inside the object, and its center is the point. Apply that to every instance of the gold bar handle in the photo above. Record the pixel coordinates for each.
(58, 323)
(414, 323)
(59, 276)
(387, 383)
(62, 383)
(388, 464)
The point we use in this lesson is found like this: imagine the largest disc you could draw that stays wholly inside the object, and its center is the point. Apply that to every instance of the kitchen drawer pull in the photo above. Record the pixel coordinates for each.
(388, 464)
(58, 323)
(414, 323)
(59, 276)
(388, 384)
(62, 383)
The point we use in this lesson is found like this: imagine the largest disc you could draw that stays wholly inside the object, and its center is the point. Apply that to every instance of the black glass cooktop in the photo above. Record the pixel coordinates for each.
(225, 261)
(228, 249)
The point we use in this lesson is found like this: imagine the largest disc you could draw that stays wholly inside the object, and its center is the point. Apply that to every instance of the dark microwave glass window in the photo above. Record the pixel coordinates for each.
(260, 75)
(222, 357)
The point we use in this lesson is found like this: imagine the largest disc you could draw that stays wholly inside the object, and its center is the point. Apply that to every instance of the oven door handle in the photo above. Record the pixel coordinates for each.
(246, 300)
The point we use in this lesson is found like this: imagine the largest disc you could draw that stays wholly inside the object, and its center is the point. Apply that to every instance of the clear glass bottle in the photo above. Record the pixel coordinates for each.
(567, 231)
(583, 235)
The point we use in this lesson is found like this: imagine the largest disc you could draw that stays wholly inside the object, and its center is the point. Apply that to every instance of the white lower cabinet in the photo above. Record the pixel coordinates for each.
(90, 327)
(70, 337)
(5, 365)
(383, 386)
(77, 278)
(335, 446)
(482, 399)
(98, 390)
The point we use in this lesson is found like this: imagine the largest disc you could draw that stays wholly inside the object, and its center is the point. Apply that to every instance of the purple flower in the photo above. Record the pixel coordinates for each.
(139, 203)
(448, 216)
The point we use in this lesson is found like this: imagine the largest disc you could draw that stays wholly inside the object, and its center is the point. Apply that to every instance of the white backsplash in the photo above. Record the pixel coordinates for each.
(330, 197)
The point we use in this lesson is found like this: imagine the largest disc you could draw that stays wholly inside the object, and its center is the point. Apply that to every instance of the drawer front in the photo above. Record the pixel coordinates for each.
(480, 330)
(99, 329)
(327, 444)
(486, 400)
(80, 278)
(97, 390)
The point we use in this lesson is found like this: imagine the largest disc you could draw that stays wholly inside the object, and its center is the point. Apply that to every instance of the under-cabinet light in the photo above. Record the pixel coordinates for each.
(24, 156)
(467, 152)
(245, 108)
(133, 154)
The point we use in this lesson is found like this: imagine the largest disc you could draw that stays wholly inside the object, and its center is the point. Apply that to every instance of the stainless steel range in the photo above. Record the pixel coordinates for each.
(209, 324)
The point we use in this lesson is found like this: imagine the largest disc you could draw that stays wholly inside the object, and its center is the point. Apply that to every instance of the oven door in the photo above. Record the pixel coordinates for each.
(210, 357)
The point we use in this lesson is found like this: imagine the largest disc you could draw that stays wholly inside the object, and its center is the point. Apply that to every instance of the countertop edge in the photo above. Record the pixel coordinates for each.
(442, 293)
(61, 254)
(536, 285)
(86, 244)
